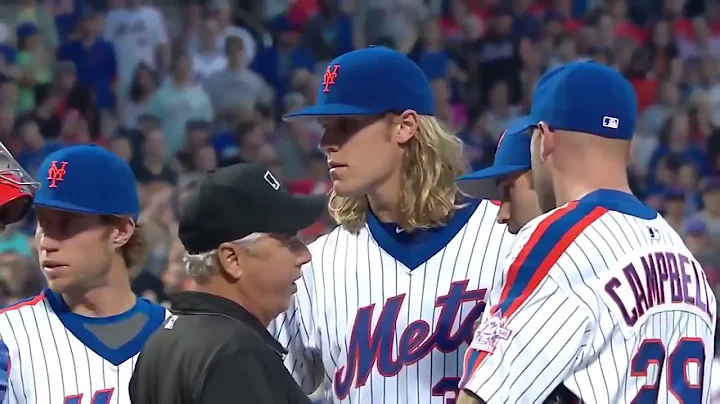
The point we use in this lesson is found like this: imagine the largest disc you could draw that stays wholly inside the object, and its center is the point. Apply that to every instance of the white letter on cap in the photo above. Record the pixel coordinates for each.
(271, 180)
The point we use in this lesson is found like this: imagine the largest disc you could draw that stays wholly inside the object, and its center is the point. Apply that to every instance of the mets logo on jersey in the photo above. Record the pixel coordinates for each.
(388, 350)
(489, 332)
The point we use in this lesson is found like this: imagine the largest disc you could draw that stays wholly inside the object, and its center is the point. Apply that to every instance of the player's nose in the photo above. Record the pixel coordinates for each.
(302, 255)
(504, 214)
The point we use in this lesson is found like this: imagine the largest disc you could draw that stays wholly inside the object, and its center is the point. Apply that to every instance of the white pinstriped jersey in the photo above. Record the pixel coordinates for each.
(603, 297)
(54, 357)
(390, 318)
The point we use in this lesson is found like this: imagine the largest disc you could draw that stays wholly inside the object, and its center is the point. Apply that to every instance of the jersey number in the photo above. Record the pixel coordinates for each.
(100, 397)
(682, 385)
(447, 386)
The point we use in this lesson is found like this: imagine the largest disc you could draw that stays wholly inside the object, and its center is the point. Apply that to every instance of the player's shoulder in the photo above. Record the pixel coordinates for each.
(320, 245)
(24, 305)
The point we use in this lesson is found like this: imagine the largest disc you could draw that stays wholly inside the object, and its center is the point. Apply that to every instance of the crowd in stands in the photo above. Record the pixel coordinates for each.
(178, 89)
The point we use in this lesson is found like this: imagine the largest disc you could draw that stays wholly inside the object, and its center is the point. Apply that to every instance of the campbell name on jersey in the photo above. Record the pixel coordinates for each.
(389, 318)
(604, 298)
(58, 357)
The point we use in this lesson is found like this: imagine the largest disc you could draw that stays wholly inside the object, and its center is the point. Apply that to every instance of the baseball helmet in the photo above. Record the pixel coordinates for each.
(17, 189)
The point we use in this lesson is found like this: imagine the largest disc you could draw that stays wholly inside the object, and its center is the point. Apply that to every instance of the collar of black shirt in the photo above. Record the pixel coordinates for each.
(199, 302)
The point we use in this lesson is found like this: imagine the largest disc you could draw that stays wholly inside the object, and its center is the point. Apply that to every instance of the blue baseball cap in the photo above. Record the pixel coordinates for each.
(26, 29)
(512, 156)
(586, 97)
(371, 81)
(695, 227)
(88, 179)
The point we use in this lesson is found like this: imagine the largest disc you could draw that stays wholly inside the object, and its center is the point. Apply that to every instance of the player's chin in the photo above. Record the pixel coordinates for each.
(59, 285)
(347, 189)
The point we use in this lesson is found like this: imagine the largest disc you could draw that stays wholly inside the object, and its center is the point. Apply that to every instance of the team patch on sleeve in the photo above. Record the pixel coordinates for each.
(490, 332)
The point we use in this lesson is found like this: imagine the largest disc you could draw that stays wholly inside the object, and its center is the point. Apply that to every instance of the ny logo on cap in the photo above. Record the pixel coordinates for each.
(611, 122)
(270, 179)
(56, 173)
(329, 77)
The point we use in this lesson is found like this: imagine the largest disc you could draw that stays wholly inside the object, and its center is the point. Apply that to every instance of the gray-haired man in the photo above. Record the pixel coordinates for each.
(239, 232)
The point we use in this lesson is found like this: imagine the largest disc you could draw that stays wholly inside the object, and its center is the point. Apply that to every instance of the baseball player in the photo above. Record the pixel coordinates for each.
(602, 296)
(17, 189)
(76, 343)
(509, 178)
(388, 303)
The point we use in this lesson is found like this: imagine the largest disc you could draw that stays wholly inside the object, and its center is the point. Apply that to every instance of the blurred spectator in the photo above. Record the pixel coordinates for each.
(142, 87)
(21, 276)
(287, 64)
(710, 215)
(35, 147)
(235, 85)
(7, 130)
(178, 101)
(663, 48)
(151, 165)
(205, 159)
(8, 92)
(138, 34)
(654, 117)
(207, 57)
(698, 242)
(197, 137)
(221, 11)
(34, 62)
(500, 113)
(40, 15)
(190, 22)
(81, 122)
(330, 33)
(675, 208)
(398, 20)
(123, 147)
(675, 141)
(479, 143)
(94, 59)
(174, 278)
(496, 56)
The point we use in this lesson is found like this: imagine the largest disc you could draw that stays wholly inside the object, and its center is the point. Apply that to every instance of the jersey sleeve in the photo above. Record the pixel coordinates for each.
(524, 356)
(4, 372)
(295, 330)
(536, 333)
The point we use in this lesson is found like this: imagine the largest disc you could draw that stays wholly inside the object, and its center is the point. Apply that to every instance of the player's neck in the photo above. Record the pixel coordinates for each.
(384, 199)
(576, 185)
(112, 298)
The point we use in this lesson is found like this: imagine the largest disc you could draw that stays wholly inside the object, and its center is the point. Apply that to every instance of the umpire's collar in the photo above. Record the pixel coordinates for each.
(200, 302)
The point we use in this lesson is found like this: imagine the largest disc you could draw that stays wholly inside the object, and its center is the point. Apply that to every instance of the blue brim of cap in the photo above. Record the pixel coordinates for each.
(483, 183)
(71, 207)
(331, 110)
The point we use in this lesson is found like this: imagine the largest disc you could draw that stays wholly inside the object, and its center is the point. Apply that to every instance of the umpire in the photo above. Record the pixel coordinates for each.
(239, 231)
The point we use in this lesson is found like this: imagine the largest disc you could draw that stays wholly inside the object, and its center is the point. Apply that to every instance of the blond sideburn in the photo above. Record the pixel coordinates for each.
(433, 159)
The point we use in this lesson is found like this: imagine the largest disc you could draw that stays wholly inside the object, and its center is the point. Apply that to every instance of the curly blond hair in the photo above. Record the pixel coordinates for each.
(433, 159)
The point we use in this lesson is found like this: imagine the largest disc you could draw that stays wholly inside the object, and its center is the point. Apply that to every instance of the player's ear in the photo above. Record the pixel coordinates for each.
(229, 261)
(547, 141)
(123, 229)
(407, 125)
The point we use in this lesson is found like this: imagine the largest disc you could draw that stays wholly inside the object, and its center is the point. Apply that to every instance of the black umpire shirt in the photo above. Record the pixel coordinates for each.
(212, 351)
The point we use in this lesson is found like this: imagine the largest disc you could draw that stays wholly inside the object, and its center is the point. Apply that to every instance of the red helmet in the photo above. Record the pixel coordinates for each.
(17, 189)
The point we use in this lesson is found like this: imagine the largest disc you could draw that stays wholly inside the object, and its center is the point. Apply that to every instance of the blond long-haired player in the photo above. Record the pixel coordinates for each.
(385, 310)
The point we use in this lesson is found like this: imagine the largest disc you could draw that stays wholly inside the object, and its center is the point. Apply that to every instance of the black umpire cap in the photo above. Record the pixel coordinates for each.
(238, 200)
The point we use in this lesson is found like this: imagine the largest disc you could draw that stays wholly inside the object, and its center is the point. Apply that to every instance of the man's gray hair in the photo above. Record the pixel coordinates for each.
(204, 264)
